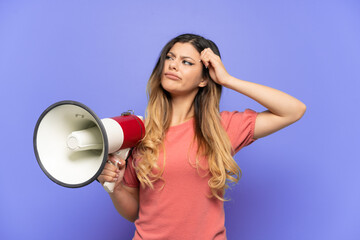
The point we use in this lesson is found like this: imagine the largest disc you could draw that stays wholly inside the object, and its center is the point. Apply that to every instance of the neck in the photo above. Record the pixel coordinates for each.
(183, 109)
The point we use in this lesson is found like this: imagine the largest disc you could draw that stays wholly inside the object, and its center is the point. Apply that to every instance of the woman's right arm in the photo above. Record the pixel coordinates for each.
(125, 199)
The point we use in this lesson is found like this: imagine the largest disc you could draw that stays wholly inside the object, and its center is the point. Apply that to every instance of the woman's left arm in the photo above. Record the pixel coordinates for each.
(283, 109)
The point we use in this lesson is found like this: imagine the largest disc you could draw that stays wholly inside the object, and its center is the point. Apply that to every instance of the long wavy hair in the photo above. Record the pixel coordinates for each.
(211, 138)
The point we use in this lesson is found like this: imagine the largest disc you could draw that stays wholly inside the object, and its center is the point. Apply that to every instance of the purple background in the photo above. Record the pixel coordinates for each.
(299, 183)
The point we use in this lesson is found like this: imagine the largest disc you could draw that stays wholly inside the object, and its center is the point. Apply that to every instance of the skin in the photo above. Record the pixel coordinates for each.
(182, 78)
(283, 109)
(184, 61)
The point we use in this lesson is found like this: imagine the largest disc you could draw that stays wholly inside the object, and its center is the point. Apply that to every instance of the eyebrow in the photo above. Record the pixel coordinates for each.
(182, 57)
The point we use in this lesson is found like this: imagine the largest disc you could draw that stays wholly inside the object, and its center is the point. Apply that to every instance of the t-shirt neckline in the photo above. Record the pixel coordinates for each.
(182, 125)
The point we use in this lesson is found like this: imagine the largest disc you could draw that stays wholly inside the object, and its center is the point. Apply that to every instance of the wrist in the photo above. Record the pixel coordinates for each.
(227, 81)
(118, 189)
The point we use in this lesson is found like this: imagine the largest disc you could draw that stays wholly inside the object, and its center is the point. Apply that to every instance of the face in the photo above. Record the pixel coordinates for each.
(182, 71)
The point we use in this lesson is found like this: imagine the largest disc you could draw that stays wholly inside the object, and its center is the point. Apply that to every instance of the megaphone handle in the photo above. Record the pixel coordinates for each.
(109, 186)
(123, 154)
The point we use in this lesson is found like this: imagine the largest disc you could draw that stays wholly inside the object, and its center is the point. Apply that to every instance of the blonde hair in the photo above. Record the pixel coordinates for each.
(211, 137)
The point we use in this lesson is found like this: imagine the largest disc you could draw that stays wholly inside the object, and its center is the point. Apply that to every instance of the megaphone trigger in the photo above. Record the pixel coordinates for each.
(123, 153)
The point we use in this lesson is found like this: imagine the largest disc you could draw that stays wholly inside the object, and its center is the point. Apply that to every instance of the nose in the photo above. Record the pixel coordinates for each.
(173, 65)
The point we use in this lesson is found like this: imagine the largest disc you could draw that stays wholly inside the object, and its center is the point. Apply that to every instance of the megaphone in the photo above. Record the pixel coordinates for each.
(72, 144)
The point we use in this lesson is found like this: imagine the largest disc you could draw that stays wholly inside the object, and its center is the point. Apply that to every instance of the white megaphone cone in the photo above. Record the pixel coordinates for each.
(72, 144)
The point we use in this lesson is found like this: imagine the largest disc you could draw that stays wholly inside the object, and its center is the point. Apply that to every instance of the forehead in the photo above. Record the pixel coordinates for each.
(184, 49)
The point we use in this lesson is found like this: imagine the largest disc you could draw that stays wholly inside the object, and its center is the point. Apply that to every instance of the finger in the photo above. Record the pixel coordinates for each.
(205, 61)
(110, 167)
(206, 56)
(110, 173)
(212, 60)
(121, 164)
(103, 178)
(118, 163)
(114, 159)
(121, 176)
(207, 52)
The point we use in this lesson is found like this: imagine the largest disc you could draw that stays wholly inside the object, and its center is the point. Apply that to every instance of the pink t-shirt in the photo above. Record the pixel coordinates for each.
(180, 208)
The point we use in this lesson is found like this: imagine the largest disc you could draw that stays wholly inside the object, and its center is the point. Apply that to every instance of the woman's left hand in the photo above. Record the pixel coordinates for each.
(216, 68)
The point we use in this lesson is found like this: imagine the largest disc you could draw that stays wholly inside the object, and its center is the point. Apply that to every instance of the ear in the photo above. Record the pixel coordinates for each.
(203, 82)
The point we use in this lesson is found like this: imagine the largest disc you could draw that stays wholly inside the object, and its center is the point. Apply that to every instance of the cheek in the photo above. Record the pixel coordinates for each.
(162, 81)
(195, 76)
(165, 66)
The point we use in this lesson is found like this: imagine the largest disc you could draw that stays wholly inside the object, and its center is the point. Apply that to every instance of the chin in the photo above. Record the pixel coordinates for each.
(168, 86)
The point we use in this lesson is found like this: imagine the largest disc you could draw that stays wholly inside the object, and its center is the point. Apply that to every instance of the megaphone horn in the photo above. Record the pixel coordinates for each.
(71, 143)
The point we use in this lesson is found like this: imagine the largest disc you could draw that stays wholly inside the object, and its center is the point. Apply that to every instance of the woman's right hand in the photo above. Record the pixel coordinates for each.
(113, 171)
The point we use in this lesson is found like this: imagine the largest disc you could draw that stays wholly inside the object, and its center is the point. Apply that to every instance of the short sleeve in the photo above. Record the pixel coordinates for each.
(130, 179)
(240, 127)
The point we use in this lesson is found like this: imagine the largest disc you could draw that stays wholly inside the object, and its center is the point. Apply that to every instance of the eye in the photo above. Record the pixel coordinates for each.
(187, 63)
(168, 57)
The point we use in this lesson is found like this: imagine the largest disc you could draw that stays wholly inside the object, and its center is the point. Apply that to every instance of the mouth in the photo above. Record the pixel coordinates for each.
(172, 76)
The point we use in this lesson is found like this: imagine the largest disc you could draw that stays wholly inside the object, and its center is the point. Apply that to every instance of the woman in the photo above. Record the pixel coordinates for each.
(173, 186)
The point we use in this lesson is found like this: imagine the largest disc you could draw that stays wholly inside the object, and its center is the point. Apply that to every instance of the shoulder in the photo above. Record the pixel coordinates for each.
(240, 127)
(227, 117)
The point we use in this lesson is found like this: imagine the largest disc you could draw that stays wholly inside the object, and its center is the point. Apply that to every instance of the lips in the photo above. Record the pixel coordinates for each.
(172, 76)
